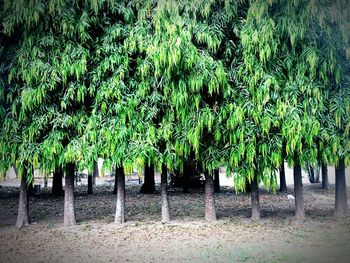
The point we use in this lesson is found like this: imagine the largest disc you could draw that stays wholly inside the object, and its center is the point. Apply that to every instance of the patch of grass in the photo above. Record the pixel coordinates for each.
(301, 234)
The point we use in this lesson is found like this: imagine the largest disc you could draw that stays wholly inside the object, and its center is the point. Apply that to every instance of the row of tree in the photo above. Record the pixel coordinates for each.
(243, 84)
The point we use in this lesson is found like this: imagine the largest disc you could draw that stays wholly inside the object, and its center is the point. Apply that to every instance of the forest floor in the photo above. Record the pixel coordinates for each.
(188, 238)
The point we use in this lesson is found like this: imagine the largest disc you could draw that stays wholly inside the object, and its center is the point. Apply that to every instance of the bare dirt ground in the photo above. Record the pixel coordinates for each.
(188, 238)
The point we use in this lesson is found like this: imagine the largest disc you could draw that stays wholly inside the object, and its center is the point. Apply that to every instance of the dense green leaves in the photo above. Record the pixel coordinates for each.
(241, 84)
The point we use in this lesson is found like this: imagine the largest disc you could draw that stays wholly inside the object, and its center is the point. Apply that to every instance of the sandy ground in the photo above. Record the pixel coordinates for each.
(188, 238)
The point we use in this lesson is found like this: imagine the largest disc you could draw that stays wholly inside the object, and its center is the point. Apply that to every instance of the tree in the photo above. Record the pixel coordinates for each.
(341, 204)
(216, 181)
(69, 203)
(283, 185)
(23, 207)
(164, 195)
(210, 210)
(325, 182)
(298, 193)
(148, 186)
(95, 173)
(57, 187)
(120, 204)
(255, 199)
(90, 184)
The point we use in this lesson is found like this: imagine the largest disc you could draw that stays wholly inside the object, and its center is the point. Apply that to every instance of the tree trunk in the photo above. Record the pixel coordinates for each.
(341, 204)
(57, 187)
(115, 190)
(148, 185)
(69, 205)
(90, 190)
(164, 195)
(254, 196)
(95, 173)
(23, 208)
(210, 212)
(325, 182)
(45, 181)
(248, 187)
(186, 177)
(216, 181)
(298, 193)
(120, 205)
(283, 184)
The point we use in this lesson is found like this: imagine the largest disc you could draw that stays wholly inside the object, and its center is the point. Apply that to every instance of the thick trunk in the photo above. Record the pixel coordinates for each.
(298, 192)
(120, 205)
(23, 208)
(90, 190)
(57, 187)
(341, 204)
(210, 212)
(325, 182)
(283, 184)
(95, 173)
(164, 195)
(254, 196)
(148, 185)
(216, 181)
(69, 205)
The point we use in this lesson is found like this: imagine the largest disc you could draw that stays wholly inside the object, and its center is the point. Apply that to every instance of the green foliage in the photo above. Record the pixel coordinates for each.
(244, 84)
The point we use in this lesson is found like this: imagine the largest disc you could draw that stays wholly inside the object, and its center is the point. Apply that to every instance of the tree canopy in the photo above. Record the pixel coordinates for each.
(242, 84)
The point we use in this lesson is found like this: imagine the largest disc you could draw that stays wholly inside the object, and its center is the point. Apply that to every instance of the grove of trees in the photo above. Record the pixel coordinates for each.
(164, 84)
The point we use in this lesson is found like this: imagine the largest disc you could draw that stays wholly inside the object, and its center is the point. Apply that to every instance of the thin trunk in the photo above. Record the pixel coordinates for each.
(23, 207)
(115, 190)
(45, 181)
(90, 189)
(185, 178)
(148, 185)
(210, 212)
(283, 184)
(57, 187)
(298, 192)
(69, 205)
(325, 182)
(95, 173)
(164, 195)
(248, 187)
(216, 181)
(120, 206)
(341, 204)
(254, 196)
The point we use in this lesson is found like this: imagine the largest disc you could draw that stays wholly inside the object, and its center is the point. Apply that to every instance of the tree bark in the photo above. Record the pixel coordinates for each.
(210, 212)
(298, 193)
(325, 182)
(164, 195)
(148, 185)
(69, 204)
(90, 189)
(23, 207)
(57, 187)
(341, 204)
(216, 181)
(95, 173)
(254, 196)
(283, 184)
(120, 205)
